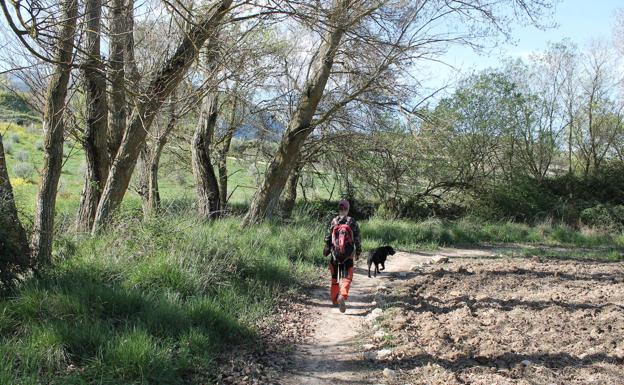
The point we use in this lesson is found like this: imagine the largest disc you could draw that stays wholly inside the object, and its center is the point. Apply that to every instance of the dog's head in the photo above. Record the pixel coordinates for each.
(389, 250)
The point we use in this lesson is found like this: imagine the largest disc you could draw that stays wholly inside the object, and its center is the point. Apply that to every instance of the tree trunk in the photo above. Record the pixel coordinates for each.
(266, 198)
(160, 87)
(149, 162)
(118, 113)
(290, 193)
(222, 155)
(143, 165)
(223, 170)
(130, 68)
(53, 127)
(14, 253)
(206, 181)
(154, 192)
(95, 140)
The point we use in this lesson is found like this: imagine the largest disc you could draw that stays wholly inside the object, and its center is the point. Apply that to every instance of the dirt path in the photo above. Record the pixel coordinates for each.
(473, 320)
(333, 354)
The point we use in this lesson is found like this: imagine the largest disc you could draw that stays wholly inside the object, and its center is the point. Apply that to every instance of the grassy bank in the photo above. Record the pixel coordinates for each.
(150, 303)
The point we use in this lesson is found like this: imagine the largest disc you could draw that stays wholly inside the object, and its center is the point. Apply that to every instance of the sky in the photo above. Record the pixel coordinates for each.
(577, 20)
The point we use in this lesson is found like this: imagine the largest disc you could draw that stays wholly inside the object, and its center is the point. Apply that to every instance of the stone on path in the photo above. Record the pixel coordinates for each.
(440, 259)
(384, 354)
(389, 373)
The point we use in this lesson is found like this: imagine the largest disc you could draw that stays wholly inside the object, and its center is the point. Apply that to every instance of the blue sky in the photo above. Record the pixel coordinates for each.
(578, 20)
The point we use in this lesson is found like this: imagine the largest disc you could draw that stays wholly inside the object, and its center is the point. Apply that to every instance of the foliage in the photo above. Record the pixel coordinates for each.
(609, 217)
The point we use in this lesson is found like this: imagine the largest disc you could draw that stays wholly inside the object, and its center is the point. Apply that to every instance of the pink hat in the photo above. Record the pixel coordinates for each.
(344, 204)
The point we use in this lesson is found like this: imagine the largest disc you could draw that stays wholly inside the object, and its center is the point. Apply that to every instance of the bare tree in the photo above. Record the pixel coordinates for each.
(207, 185)
(95, 138)
(149, 161)
(161, 85)
(599, 116)
(53, 128)
(14, 252)
(396, 34)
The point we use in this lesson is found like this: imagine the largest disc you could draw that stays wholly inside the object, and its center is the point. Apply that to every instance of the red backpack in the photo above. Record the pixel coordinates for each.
(342, 241)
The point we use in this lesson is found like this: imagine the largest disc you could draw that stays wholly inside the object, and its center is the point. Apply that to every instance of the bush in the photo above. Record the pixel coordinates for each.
(39, 146)
(13, 138)
(604, 216)
(180, 178)
(8, 147)
(324, 210)
(21, 156)
(524, 200)
(24, 170)
(14, 102)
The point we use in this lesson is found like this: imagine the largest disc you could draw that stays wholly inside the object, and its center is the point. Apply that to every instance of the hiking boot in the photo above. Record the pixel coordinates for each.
(341, 304)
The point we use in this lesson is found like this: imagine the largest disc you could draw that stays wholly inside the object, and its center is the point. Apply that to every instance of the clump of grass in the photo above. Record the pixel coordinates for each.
(24, 170)
(21, 156)
(13, 138)
(8, 146)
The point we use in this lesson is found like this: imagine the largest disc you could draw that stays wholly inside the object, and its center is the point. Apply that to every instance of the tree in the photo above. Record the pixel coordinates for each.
(598, 119)
(208, 197)
(265, 201)
(395, 34)
(14, 252)
(53, 128)
(95, 137)
(161, 85)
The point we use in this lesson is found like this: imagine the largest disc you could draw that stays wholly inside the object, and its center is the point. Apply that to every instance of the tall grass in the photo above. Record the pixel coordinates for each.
(409, 235)
(151, 302)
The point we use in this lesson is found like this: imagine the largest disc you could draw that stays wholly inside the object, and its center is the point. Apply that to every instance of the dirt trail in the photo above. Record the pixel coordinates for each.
(333, 354)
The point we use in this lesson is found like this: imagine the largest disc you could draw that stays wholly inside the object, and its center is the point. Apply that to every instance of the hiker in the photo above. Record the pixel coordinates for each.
(342, 242)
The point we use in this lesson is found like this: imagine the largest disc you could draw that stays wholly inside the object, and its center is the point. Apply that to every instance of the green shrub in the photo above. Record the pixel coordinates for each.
(21, 156)
(24, 170)
(8, 147)
(13, 138)
(524, 200)
(13, 101)
(605, 216)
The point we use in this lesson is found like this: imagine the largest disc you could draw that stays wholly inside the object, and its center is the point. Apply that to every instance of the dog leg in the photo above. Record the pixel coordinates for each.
(369, 266)
(383, 266)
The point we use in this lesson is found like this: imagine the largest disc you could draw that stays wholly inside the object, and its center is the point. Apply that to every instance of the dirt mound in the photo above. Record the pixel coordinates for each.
(508, 322)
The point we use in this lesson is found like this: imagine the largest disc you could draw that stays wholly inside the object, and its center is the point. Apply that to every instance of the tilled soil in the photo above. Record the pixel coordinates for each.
(466, 318)
(515, 321)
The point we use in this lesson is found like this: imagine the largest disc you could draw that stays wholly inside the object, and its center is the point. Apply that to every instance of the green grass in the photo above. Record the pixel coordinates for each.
(412, 236)
(152, 302)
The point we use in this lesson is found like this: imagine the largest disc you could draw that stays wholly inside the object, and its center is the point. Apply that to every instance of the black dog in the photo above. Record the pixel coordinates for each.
(378, 257)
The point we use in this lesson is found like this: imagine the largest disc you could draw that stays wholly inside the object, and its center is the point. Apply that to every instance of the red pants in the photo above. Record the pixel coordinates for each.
(343, 289)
